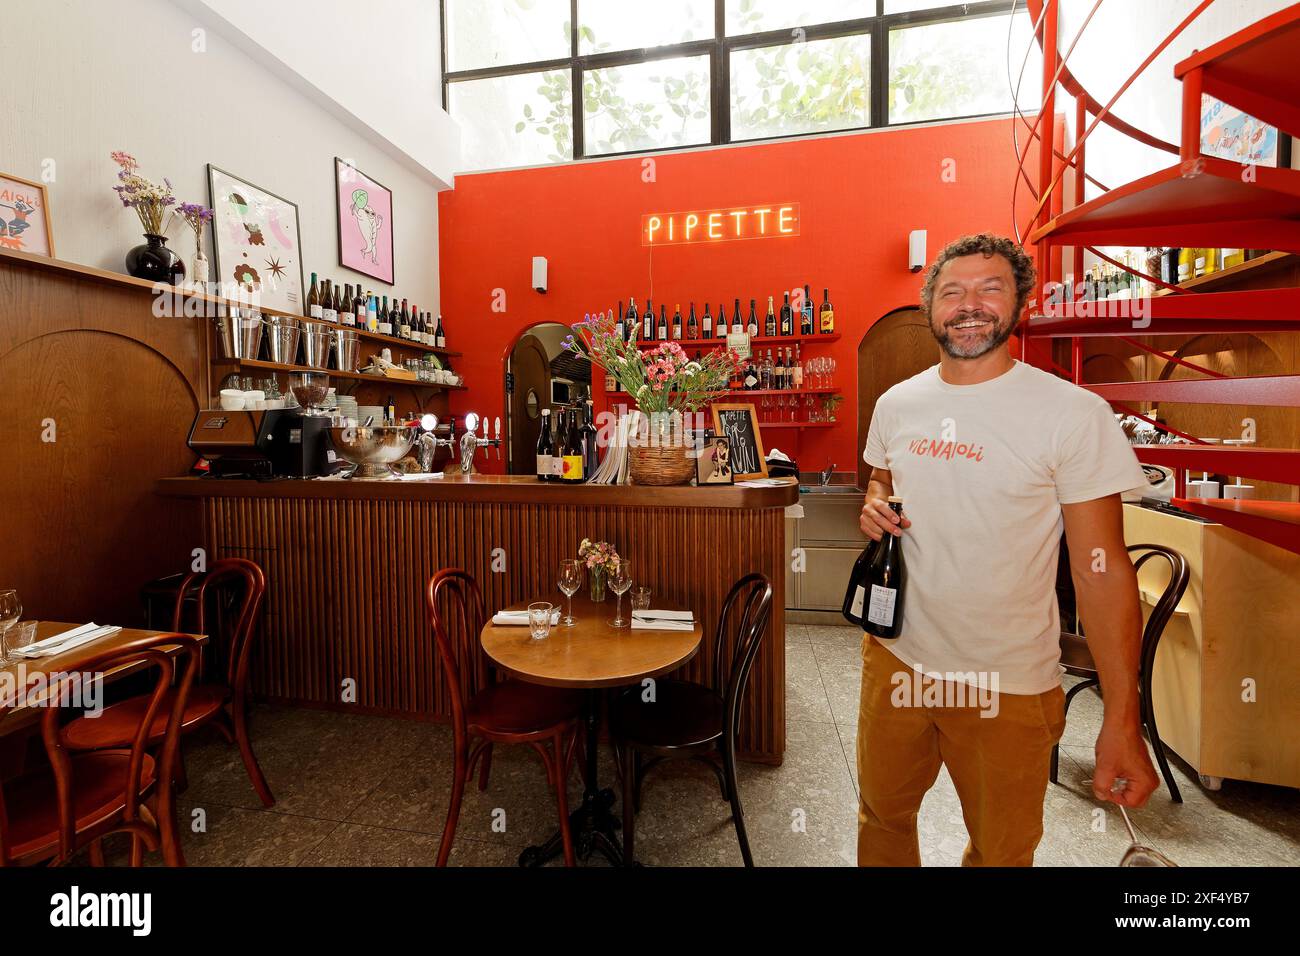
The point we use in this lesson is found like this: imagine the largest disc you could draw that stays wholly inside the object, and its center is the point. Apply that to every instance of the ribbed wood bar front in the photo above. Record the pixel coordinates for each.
(347, 563)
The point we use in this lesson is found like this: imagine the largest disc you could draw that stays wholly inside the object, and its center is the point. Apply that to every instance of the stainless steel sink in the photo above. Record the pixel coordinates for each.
(830, 490)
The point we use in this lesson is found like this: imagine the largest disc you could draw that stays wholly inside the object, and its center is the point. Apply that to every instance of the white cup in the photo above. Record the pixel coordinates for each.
(1203, 489)
(1238, 492)
(232, 403)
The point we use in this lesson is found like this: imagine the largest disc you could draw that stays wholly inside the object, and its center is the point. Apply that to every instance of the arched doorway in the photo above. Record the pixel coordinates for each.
(539, 373)
(895, 348)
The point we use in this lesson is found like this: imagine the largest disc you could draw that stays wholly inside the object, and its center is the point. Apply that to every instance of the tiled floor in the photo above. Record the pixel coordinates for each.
(367, 791)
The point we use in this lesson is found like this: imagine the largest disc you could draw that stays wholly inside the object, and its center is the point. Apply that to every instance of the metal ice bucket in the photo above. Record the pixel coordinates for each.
(346, 343)
(239, 334)
(316, 345)
(372, 450)
(282, 333)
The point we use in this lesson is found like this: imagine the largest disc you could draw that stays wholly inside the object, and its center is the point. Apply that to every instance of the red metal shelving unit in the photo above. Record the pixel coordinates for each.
(1202, 201)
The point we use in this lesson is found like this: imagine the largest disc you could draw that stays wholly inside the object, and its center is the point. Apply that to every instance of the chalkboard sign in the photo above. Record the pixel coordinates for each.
(739, 425)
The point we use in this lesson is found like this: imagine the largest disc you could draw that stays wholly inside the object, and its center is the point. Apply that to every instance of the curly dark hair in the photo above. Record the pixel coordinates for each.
(987, 245)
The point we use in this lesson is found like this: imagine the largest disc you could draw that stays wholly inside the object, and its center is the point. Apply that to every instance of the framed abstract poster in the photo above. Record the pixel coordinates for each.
(365, 209)
(25, 216)
(257, 241)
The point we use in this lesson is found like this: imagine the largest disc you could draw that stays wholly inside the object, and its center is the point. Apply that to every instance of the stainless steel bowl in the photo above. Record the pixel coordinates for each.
(373, 450)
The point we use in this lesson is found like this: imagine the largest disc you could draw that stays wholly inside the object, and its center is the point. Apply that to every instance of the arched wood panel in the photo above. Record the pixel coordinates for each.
(85, 363)
(895, 348)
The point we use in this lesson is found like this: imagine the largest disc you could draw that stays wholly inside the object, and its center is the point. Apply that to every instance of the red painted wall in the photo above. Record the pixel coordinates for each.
(860, 196)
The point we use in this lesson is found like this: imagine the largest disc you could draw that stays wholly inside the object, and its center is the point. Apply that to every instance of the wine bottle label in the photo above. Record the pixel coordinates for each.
(543, 466)
(316, 312)
(828, 321)
(385, 328)
(348, 318)
(329, 315)
(881, 610)
(573, 467)
(557, 466)
(859, 597)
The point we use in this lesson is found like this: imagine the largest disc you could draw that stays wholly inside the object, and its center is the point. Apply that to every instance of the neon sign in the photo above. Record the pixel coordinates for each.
(765, 221)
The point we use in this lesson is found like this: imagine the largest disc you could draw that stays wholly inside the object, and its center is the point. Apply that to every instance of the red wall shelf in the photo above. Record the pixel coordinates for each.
(1263, 464)
(1277, 522)
(1282, 391)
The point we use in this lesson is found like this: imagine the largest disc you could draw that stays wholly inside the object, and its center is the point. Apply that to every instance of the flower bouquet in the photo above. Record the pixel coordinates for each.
(599, 558)
(153, 260)
(664, 382)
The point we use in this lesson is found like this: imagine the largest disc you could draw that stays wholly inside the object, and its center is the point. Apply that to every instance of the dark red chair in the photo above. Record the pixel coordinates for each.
(51, 814)
(222, 703)
(485, 712)
(1076, 657)
(686, 719)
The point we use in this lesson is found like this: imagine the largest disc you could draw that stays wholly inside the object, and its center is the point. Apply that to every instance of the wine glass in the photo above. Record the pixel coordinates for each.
(620, 579)
(11, 610)
(570, 582)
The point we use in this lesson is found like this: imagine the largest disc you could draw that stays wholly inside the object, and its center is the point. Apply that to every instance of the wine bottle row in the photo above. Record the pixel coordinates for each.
(634, 325)
(566, 448)
(330, 302)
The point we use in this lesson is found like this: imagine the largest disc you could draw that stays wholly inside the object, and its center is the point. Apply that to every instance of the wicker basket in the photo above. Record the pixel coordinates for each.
(661, 465)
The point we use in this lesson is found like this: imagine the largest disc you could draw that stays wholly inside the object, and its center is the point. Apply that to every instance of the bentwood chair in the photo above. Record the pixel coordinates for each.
(230, 595)
(485, 711)
(1077, 659)
(50, 814)
(690, 720)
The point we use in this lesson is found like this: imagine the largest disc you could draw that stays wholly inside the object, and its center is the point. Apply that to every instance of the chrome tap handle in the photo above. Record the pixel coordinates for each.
(498, 438)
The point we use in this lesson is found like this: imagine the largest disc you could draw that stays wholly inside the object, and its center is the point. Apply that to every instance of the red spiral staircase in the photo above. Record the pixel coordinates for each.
(1200, 201)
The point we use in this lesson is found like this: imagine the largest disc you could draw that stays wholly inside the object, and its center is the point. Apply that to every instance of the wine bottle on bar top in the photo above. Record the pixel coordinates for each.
(707, 323)
(692, 326)
(677, 323)
(648, 323)
(752, 327)
(769, 325)
(722, 319)
(787, 317)
(806, 314)
(313, 299)
(544, 448)
(663, 323)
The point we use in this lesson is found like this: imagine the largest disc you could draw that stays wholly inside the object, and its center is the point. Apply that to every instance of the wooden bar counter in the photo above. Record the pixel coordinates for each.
(347, 563)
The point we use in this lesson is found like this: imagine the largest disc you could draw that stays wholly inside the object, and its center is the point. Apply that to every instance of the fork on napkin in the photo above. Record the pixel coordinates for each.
(652, 620)
(520, 618)
(58, 643)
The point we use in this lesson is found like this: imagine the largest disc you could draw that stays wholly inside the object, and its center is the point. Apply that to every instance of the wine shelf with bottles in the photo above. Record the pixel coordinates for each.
(333, 373)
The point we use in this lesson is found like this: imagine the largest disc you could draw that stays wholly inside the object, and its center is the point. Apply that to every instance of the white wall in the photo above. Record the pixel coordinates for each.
(377, 64)
(84, 78)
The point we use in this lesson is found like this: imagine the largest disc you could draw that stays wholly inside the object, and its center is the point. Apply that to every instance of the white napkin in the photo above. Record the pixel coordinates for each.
(520, 618)
(653, 620)
(50, 646)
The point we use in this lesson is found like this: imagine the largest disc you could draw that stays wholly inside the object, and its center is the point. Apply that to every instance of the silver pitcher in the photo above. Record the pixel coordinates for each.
(316, 345)
(239, 334)
(345, 343)
(282, 333)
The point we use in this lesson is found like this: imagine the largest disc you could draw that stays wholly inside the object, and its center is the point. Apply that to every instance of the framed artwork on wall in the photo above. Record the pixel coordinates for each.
(365, 217)
(25, 216)
(256, 240)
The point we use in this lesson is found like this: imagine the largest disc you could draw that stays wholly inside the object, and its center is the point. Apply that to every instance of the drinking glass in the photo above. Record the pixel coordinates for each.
(22, 634)
(620, 579)
(539, 619)
(641, 599)
(11, 609)
(570, 583)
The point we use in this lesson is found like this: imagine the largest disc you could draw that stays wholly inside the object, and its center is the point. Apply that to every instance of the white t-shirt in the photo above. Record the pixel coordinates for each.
(983, 471)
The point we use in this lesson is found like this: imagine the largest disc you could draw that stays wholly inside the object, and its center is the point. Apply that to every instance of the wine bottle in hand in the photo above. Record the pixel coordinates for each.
(874, 599)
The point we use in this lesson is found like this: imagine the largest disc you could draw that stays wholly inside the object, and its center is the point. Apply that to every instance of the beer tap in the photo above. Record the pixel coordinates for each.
(470, 442)
(429, 442)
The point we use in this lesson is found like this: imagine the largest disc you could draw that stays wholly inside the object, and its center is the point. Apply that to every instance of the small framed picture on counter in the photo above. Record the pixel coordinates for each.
(25, 216)
(738, 424)
(713, 466)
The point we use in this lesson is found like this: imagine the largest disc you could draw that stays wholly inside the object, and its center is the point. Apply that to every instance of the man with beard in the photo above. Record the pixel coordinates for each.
(992, 458)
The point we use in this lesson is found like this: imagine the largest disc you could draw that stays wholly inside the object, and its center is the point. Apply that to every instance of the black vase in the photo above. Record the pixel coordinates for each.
(154, 261)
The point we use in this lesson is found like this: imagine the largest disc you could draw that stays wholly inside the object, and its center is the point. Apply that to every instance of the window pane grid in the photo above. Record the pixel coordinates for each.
(781, 68)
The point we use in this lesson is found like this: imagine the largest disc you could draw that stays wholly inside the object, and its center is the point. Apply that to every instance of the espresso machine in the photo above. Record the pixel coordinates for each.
(263, 444)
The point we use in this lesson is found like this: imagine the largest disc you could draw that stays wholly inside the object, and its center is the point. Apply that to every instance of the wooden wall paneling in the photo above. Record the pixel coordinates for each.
(84, 529)
(353, 605)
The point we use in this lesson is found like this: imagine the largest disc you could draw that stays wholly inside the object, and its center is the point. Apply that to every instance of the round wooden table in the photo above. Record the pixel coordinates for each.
(591, 655)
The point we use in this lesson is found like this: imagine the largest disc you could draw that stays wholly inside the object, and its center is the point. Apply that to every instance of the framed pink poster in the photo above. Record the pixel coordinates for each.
(365, 222)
